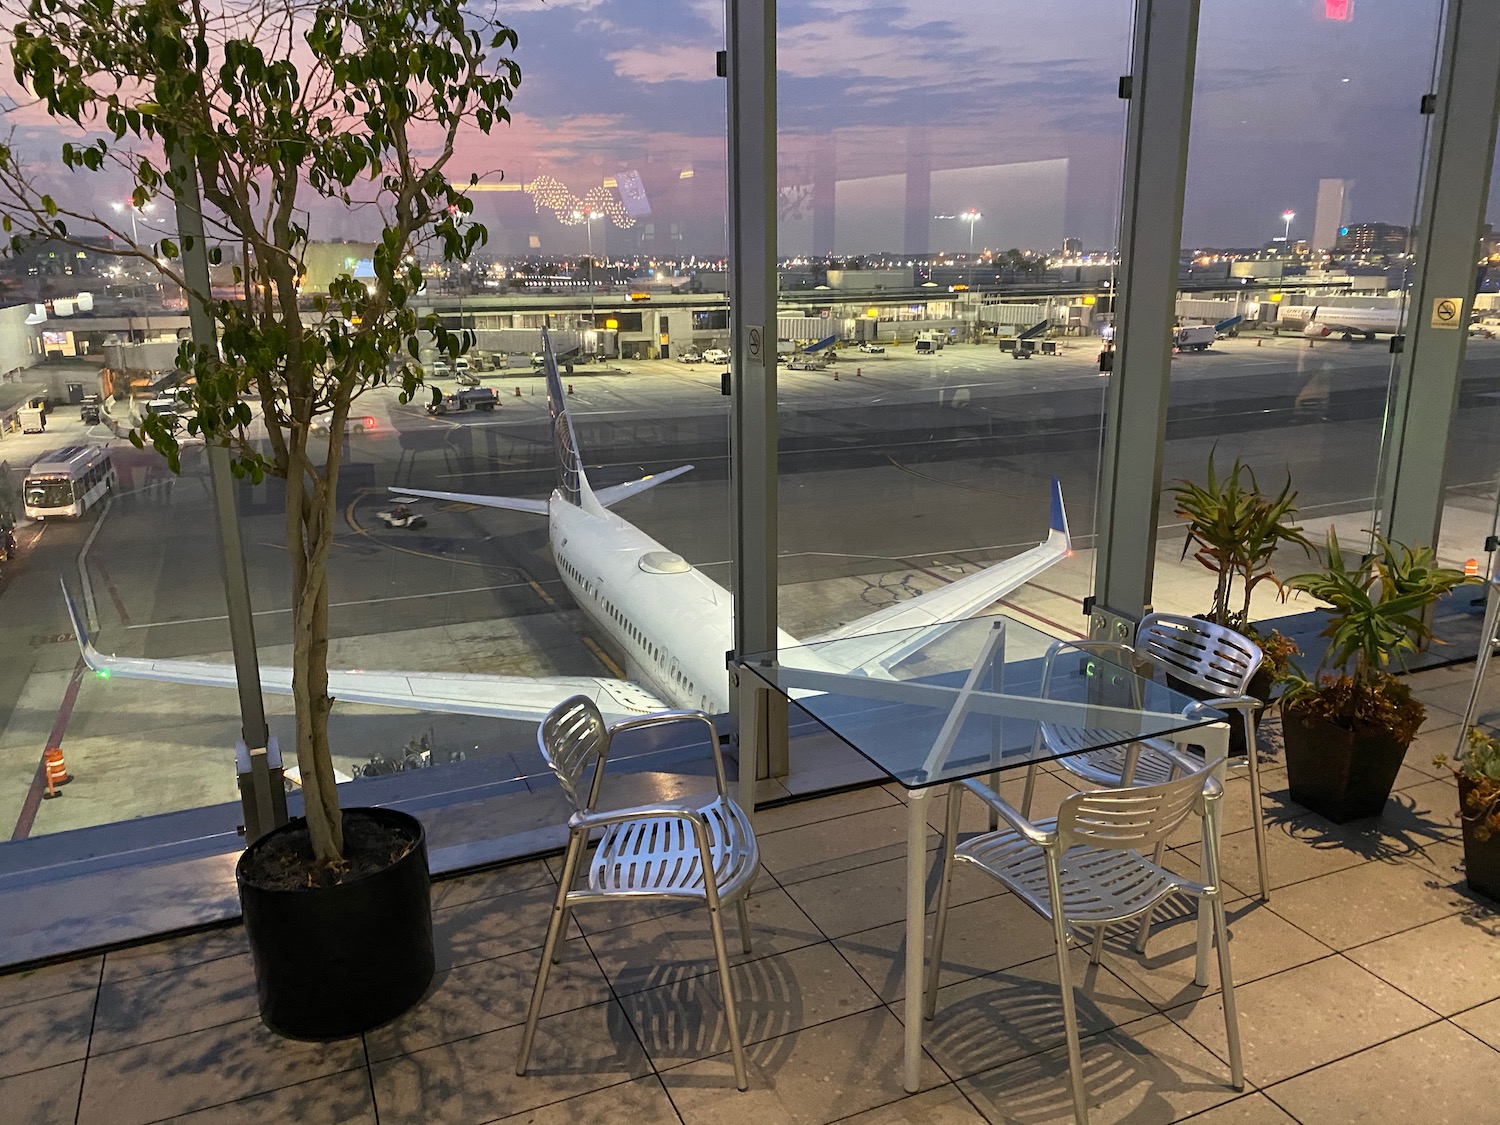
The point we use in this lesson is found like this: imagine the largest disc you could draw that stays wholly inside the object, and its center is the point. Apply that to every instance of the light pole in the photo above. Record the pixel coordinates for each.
(588, 218)
(135, 237)
(971, 216)
(1286, 237)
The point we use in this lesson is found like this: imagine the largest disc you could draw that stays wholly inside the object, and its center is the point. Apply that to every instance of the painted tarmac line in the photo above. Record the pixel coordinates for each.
(33, 801)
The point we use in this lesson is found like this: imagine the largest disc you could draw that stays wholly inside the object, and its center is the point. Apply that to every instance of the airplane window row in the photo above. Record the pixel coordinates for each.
(629, 626)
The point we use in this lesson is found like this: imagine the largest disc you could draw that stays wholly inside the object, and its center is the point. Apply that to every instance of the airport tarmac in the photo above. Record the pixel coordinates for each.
(900, 475)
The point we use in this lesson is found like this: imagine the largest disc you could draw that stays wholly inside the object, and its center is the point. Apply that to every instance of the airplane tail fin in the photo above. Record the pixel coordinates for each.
(86, 647)
(1058, 526)
(571, 481)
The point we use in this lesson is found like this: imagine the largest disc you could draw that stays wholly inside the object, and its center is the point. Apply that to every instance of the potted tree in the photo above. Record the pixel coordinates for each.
(269, 110)
(1477, 768)
(1234, 530)
(1347, 728)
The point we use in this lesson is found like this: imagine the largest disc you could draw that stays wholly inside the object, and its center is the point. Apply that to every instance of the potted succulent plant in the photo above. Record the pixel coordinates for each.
(1234, 530)
(248, 118)
(1477, 768)
(1348, 727)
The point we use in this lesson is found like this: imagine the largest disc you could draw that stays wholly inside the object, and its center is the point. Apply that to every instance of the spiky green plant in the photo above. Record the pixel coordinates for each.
(1376, 615)
(1234, 530)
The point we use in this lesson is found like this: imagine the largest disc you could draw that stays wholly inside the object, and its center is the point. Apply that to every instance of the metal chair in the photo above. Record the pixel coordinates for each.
(673, 851)
(1210, 659)
(1086, 868)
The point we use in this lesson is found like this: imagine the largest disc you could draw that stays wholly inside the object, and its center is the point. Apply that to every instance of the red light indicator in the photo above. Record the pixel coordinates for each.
(1341, 10)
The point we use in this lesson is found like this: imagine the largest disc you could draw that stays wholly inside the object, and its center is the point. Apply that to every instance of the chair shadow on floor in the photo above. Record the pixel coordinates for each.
(679, 1015)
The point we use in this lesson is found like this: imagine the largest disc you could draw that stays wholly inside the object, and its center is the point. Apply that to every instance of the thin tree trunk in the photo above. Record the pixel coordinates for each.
(310, 518)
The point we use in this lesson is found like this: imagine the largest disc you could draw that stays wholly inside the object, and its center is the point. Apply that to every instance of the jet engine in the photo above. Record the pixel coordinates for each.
(1315, 331)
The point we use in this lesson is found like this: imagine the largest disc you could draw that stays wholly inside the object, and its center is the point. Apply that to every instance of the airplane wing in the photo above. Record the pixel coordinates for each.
(609, 497)
(509, 503)
(972, 593)
(527, 698)
(888, 636)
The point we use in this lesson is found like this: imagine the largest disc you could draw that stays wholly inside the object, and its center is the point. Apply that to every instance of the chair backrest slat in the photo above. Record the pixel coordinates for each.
(572, 737)
(1210, 657)
(1134, 818)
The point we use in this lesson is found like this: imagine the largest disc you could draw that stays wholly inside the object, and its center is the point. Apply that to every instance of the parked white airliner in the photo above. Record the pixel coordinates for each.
(672, 622)
(1318, 321)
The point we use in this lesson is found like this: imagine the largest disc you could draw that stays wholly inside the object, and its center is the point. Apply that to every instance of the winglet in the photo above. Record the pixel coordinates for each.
(1059, 513)
(86, 647)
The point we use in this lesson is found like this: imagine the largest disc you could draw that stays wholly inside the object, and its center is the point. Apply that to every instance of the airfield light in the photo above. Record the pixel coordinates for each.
(1287, 217)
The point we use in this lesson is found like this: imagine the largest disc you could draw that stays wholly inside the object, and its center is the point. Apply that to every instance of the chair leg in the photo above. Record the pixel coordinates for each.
(1097, 949)
(731, 1014)
(555, 929)
(994, 781)
(1205, 933)
(1144, 933)
(1253, 754)
(1226, 983)
(744, 913)
(945, 894)
(1070, 1020)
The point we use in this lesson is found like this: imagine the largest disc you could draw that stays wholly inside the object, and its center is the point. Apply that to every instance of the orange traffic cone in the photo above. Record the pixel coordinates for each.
(570, 388)
(859, 372)
(1471, 568)
(835, 376)
(57, 770)
(518, 392)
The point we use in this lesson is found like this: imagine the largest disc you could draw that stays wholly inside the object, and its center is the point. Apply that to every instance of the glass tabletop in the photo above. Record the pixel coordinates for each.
(946, 702)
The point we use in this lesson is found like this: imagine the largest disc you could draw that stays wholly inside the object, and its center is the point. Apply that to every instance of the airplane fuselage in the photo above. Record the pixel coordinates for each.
(1325, 320)
(639, 593)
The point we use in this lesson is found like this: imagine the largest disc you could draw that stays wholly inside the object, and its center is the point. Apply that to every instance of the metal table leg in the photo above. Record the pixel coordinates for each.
(916, 933)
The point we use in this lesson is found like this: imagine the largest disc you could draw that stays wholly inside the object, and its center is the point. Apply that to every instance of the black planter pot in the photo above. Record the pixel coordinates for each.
(1337, 773)
(334, 961)
(1481, 857)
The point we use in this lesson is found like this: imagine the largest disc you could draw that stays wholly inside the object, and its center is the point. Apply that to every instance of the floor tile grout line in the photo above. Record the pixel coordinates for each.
(88, 1048)
(1269, 1086)
(614, 998)
(364, 1043)
(256, 1094)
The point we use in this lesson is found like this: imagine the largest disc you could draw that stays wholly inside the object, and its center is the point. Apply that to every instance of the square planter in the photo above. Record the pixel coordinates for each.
(1481, 857)
(1340, 774)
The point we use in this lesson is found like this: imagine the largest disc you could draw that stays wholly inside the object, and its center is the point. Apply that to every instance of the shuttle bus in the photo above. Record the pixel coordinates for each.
(66, 481)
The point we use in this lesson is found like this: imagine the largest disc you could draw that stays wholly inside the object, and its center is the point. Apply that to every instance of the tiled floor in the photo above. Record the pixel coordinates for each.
(1369, 991)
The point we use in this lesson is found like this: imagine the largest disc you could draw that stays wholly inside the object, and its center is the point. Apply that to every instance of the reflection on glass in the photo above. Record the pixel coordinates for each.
(1303, 176)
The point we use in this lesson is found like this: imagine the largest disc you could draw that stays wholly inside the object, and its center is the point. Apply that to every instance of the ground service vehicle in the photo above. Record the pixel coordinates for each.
(1195, 336)
(716, 355)
(925, 347)
(402, 516)
(67, 481)
(474, 398)
(692, 355)
(872, 349)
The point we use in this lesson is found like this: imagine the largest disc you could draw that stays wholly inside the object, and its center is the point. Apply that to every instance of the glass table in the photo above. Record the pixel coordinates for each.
(943, 703)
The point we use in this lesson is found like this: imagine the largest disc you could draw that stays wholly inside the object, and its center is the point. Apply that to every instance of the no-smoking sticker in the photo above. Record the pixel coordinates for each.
(1445, 312)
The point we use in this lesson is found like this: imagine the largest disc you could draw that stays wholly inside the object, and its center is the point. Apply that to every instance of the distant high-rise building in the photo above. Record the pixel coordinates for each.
(1385, 239)
(1333, 208)
(1072, 247)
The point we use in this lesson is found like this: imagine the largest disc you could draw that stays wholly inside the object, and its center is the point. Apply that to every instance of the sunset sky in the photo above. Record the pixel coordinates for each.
(1006, 107)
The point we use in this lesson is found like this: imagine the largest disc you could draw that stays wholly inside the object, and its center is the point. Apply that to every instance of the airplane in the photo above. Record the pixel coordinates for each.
(672, 622)
(1319, 321)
